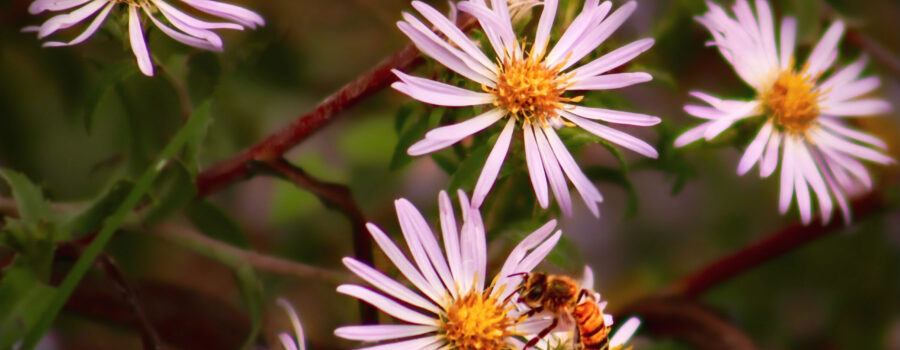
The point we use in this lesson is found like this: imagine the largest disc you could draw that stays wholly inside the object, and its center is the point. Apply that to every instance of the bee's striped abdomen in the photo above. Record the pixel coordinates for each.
(593, 331)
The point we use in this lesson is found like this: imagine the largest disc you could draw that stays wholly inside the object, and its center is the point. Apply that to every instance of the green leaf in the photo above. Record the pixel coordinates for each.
(23, 299)
(203, 72)
(467, 173)
(615, 176)
(251, 291)
(215, 223)
(30, 201)
(90, 219)
(110, 76)
(174, 189)
(410, 135)
(192, 148)
(82, 265)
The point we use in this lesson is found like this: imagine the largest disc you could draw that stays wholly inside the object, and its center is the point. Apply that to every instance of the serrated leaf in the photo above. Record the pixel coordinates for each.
(110, 76)
(29, 199)
(23, 299)
(90, 218)
(215, 223)
(174, 189)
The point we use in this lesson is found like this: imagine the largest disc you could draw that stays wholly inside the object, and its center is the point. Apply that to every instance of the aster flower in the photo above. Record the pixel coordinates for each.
(520, 9)
(804, 115)
(529, 89)
(297, 341)
(188, 30)
(452, 309)
(563, 336)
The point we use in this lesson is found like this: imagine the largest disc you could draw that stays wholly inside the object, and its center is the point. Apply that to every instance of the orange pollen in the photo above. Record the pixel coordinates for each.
(531, 90)
(478, 321)
(791, 101)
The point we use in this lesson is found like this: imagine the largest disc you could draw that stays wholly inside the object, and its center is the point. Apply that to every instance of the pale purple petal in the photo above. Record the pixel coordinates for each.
(91, 29)
(413, 233)
(295, 322)
(612, 135)
(813, 176)
(787, 176)
(596, 36)
(826, 139)
(693, 134)
(388, 285)
(535, 168)
(753, 152)
(69, 19)
(585, 187)
(406, 268)
(430, 44)
(845, 75)
(171, 12)
(447, 135)
(450, 235)
(538, 254)
(625, 332)
(587, 278)
(787, 42)
(39, 6)
(767, 31)
(424, 343)
(493, 164)
(837, 127)
(138, 45)
(610, 81)
(385, 304)
(454, 34)
(613, 59)
(437, 93)
(545, 25)
(235, 13)
(183, 38)
(804, 202)
(820, 58)
(375, 333)
(856, 108)
(850, 91)
(586, 20)
(411, 219)
(770, 158)
(558, 183)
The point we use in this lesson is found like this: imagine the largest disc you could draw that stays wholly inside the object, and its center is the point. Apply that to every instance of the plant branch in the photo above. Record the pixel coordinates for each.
(191, 239)
(275, 145)
(129, 293)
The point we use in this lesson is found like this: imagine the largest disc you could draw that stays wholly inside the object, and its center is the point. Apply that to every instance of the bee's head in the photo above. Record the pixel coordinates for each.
(532, 288)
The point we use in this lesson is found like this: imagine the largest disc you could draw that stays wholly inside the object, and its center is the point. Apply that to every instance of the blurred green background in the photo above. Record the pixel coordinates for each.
(74, 124)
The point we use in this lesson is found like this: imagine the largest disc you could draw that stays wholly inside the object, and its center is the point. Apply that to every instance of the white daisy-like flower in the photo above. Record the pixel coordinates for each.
(563, 336)
(297, 341)
(805, 114)
(187, 29)
(453, 308)
(528, 88)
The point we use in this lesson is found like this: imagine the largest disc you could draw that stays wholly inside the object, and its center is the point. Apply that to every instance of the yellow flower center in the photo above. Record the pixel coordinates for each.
(791, 101)
(478, 321)
(530, 90)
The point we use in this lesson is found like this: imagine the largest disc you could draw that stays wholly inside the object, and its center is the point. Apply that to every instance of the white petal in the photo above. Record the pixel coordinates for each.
(586, 20)
(385, 304)
(424, 343)
(138, 45)
(585, 187)
(415, 230)
(558, 183)
(184, 38)
(787, 42)
(388, 285)
(613, 59)
(613, 116)
(845, 75)
(535, 168)
(857, 108)
(437, 93)
(787, 176)
(374, 333)
(587, 278)
(545, 25)
(767, 32)
(612, 135)
(231, 12)
(598, 35)
(850, 91)
(418, 225)
(831, 141)
(813, 176)
(837, 127)
(67, 20)
(91, 29)
(406, 268)
(610, 81)
(693, 134)
(451, 235)
(454, 34)
(820, 58)
(468, 127)
(753, 152)
(770, 158)
(625, 332)
(804, 202)
(493, 164)
(431, 45)
(532, 260)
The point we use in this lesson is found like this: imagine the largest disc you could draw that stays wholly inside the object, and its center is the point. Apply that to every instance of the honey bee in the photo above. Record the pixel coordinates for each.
(564, 298)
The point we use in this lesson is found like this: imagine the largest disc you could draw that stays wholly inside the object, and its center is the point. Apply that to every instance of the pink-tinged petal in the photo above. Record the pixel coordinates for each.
(91, 29)
(39, 6)
(840, 162)
(613, 116)
(506, 31)
(468, 127)
(295, 322)
(424, 343)
(821, 57)
(856, 108)
(804, 202)
(430, 44)
(845, 75)
(831, 141)
(587, 278)
(754, 152)
(613, 59)
(598, 35)
(693, 134)
(171, 12)
(385, 304)
(471, 250)
(545, 25)
(376, 333)
(492, 23)
(412, 219)
(837, 127)
(584, 22)
(535, 168)
(413, 234)
(406, 268)
(507, 283)
(625, 332)
(813, 175)
(437, 93)
(481, 248)
(493, 164)
(787, 42)
(389, 285)
(705, 112)
(287, 341)
(447, 135)
(454, 34)
(767, 32)
(183, 38)
(558, 183)
(235, 13)
(585, 187)
(450, 235)
(138, 45)
(787, 176)
(770, 158)
(188, 25)
(610, 81)
(31, 29)
(851, 90)
(834, 187)
(538, 254)
(70, 19)
(612, 135)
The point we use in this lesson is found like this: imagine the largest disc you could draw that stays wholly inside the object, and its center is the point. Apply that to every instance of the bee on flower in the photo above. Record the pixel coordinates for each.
(169, 19)
(533, 87)
(804, 109)
(454, 305)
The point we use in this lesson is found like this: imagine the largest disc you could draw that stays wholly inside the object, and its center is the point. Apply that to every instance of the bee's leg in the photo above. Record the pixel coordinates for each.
(578, 344)
(543, 333)
(584, 293)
